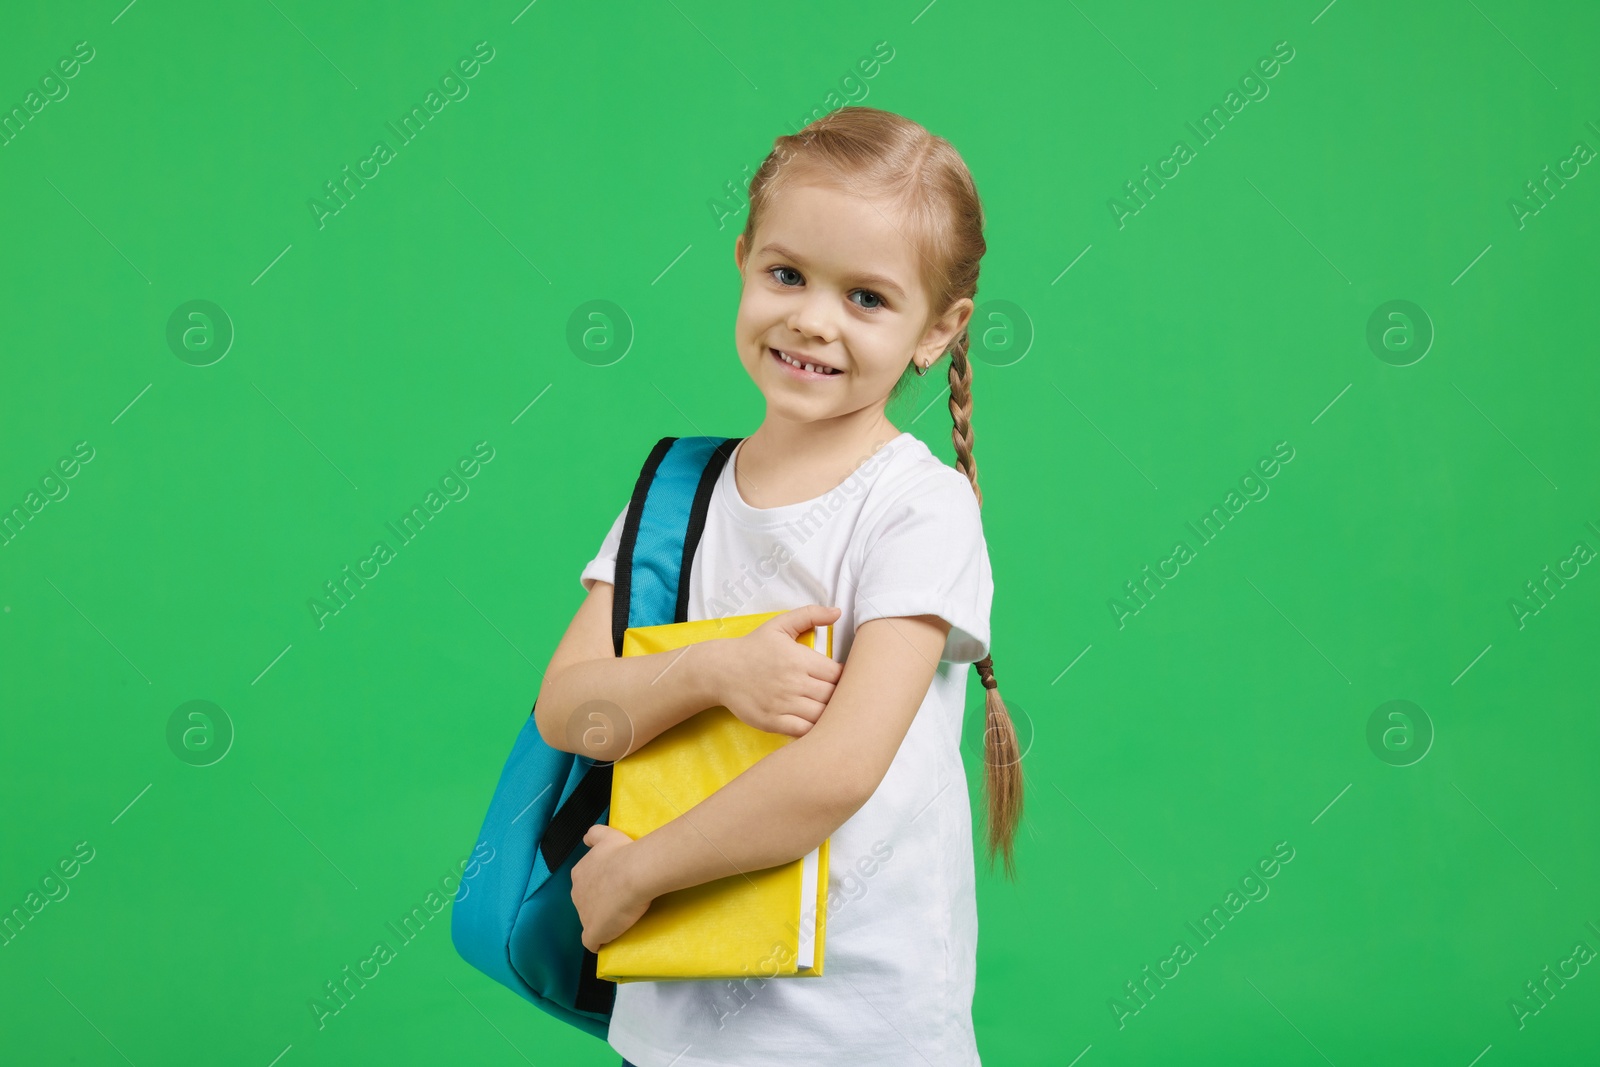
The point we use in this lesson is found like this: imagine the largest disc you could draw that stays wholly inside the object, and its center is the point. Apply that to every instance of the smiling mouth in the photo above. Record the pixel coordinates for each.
(800, 368)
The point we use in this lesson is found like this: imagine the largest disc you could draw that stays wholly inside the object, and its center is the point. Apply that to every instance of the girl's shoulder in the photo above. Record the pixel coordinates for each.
(915, 477)
(916, 489)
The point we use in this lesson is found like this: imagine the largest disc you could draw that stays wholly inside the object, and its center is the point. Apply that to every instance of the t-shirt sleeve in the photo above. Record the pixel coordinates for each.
(929, 557)
(603, 567)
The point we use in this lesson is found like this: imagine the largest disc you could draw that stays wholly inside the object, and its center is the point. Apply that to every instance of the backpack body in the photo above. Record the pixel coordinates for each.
(516, 921)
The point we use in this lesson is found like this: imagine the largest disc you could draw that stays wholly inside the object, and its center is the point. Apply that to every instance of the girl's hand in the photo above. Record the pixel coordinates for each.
(774, 683)
(602, 887)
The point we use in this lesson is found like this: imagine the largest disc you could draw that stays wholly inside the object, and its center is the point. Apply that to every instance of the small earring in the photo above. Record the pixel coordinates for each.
(921, 370)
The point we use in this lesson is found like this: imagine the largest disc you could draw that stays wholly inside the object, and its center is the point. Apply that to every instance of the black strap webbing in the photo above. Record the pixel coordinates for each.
(595, 994)
(573, 819)
(622, 588)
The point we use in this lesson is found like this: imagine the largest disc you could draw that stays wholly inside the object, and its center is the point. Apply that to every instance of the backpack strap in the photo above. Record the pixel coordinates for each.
(662, 530)
(665, 520)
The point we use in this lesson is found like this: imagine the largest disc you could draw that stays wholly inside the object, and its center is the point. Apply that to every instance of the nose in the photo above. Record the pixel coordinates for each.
(812, 315)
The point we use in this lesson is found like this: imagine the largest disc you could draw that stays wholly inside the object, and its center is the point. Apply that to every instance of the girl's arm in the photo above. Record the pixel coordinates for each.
(620, 702)
(784, 806)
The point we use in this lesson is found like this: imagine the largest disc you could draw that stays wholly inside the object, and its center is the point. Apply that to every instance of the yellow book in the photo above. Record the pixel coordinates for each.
(767, 923)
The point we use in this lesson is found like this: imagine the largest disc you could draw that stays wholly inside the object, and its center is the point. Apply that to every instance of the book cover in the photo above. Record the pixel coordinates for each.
(766, 923)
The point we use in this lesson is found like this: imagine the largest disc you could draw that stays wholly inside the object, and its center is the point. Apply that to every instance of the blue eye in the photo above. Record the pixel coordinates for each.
(777, 274)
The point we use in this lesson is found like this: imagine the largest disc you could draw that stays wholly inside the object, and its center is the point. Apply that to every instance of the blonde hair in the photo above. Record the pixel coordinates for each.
(923, 176)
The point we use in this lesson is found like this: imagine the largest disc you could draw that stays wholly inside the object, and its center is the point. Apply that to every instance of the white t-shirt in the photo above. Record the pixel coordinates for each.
(901, 536)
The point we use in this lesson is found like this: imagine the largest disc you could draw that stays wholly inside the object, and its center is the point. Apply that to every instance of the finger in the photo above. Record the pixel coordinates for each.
(827, 670)
(789, 725)
(793, 725)
(798, 621)
(809, 701)
(807, 711)
(812, 714)
(826, 667)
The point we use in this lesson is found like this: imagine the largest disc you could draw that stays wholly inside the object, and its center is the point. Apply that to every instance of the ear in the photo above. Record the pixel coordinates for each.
(936, 341)
(738, 252)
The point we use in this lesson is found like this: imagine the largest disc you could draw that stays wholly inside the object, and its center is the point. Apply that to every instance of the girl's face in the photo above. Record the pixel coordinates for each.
(832, 282)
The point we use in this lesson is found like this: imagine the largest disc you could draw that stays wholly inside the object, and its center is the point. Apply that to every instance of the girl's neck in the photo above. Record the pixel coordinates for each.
(785, 462)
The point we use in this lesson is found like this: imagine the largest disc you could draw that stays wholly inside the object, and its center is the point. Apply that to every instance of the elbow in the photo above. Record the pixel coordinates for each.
(542, 723)
(575, 730)
(555, 735)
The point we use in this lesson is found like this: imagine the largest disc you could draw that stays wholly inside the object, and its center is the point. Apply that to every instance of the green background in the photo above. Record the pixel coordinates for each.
(432, 312)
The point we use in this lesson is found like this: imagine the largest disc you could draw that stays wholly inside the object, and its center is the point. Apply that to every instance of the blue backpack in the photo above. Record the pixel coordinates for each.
(516, 922)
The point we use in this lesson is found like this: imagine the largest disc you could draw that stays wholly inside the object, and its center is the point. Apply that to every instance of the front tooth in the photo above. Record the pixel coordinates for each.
(796, 363)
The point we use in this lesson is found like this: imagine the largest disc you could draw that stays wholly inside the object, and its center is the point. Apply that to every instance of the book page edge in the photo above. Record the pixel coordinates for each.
(806, 946)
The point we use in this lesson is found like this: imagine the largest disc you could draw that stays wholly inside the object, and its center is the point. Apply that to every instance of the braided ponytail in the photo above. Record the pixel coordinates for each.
(1002, 758)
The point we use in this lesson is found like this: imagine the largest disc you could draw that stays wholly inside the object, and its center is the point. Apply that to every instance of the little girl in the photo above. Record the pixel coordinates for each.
(859, 262)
